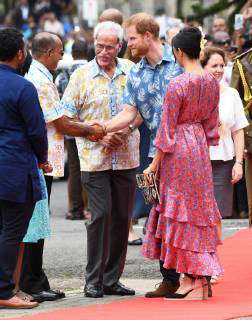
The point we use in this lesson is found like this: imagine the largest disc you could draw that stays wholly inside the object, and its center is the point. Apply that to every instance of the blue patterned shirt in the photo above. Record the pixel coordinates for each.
(145, 89)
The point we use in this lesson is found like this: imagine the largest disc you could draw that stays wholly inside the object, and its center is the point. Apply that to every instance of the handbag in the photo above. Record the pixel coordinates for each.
(147, 183)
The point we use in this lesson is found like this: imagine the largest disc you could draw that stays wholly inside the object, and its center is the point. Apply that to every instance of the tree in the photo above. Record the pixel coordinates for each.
(8, 5)
(200, 12)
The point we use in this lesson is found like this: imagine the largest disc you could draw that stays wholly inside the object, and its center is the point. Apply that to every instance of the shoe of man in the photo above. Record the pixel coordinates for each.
(163, 289)
(92, 291)
(118, 289)
(17, 303)
(49, 295)
(70, 216)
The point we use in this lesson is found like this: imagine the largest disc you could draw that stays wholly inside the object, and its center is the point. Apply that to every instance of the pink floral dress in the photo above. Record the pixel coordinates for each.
(182, 229)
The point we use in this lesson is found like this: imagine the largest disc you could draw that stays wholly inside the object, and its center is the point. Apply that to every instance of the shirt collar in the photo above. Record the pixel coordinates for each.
(166, 57)
(42, 69)
(96, 70)
(6, 67)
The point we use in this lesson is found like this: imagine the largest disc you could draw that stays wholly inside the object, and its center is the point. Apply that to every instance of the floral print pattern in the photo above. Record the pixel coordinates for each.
(49, 100)
(182, 229)
(145, 89)
(92, 95)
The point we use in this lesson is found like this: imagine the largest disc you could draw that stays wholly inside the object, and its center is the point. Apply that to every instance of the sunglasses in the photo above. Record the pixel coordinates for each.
(222, 42)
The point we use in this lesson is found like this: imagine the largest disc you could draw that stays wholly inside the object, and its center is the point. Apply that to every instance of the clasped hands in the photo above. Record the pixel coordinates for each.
(111, 141)
(97, 131)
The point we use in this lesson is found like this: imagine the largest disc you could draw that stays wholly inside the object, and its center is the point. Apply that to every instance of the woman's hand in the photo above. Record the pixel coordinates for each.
(237, 172)
(151, 169)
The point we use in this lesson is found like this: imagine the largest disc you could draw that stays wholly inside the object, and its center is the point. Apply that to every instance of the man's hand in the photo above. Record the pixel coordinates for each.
(97, 132)
(113, 141)
(46, 167)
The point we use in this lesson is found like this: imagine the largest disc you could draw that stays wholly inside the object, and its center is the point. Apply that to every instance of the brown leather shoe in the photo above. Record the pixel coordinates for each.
(164, 288)
(17, 303)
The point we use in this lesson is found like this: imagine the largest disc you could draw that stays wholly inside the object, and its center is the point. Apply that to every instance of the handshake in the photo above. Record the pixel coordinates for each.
(96, 131)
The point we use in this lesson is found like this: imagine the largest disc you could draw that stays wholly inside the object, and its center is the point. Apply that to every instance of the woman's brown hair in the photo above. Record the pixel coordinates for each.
(207, 52)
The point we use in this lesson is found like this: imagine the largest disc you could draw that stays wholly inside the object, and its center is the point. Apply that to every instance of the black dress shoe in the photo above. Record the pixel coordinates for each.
(136, 242)
(45, 296)
(118, 289)
(92, 291)
(70, 216)
(59, 293)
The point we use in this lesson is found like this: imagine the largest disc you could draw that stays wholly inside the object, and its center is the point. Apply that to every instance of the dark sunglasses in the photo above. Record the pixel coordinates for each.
(222, 42)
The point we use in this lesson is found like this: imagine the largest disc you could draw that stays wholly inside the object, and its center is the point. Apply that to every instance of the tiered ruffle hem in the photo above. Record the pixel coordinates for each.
(183, 242)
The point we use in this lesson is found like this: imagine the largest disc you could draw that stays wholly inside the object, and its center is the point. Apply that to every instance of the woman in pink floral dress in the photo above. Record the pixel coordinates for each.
(183, 228)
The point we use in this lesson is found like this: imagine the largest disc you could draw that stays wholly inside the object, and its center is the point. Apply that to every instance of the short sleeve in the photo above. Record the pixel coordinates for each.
(71, 100)
(50, 102)
(239, 114)
(211, 124)
(166, 136)
(129, 93)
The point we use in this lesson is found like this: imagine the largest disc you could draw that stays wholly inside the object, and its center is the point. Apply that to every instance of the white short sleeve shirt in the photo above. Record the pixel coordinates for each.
(232, 118)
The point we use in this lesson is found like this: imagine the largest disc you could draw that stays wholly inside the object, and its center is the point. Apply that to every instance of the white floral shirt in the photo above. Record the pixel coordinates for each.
(92, 95)
(49, 100)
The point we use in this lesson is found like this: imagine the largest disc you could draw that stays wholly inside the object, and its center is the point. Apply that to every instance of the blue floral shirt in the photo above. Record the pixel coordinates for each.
(145, 89)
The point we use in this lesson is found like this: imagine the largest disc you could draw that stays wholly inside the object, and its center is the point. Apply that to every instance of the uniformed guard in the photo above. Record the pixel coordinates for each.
(242, 81)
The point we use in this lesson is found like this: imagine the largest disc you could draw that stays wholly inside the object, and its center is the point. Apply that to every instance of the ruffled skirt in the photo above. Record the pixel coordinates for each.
(181, 244)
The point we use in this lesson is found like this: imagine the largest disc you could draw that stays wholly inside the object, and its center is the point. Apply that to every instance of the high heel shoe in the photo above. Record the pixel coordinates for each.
(209, 286)
(199, 290)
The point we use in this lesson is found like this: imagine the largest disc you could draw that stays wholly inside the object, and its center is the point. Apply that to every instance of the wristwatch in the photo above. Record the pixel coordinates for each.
(132, 127)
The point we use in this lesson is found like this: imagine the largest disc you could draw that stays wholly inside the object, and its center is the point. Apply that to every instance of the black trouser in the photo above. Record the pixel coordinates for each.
(33, 278)
(169, 274)
(76, 194)
(49, 181)
(14, 222)
(111, 198)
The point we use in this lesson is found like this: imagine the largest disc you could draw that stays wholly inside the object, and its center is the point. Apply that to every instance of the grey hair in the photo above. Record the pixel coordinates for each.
(109, 25)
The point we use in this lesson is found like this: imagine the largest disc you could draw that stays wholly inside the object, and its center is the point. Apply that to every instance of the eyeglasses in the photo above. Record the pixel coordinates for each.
(101, 47)
(222, 42)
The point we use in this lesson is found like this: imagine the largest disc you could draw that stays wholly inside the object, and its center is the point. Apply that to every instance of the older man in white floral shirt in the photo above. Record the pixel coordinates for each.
(108, 167)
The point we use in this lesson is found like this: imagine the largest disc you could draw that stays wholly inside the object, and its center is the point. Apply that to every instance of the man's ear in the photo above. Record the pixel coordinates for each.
(148, 35)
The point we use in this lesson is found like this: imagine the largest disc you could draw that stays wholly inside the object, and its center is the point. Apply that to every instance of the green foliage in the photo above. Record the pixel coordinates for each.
(200, 12)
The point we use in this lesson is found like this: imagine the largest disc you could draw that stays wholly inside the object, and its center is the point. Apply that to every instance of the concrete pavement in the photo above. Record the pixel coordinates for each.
(65, 258)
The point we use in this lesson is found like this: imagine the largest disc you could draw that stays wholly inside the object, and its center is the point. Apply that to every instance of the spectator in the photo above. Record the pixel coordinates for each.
(53, 25)
(116, 16)
(77, 196)
(219, 24)
(222, 40)
(170, 33)
(21, 14)
(227, 157)
(242, 81)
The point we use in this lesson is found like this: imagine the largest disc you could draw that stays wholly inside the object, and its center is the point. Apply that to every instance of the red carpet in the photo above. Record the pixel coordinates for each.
(232, 296)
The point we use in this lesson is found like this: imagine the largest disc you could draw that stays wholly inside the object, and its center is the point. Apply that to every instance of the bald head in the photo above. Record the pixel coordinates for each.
(111, 14)
(44, 41)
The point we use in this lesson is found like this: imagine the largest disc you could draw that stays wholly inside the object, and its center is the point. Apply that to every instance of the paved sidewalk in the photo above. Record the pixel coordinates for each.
(77, 299)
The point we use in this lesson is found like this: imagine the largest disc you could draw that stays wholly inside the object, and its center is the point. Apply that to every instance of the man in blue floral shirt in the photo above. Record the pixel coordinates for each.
(144, 93)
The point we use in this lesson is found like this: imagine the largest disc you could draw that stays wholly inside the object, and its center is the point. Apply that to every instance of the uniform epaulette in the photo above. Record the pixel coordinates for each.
(243, 54)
